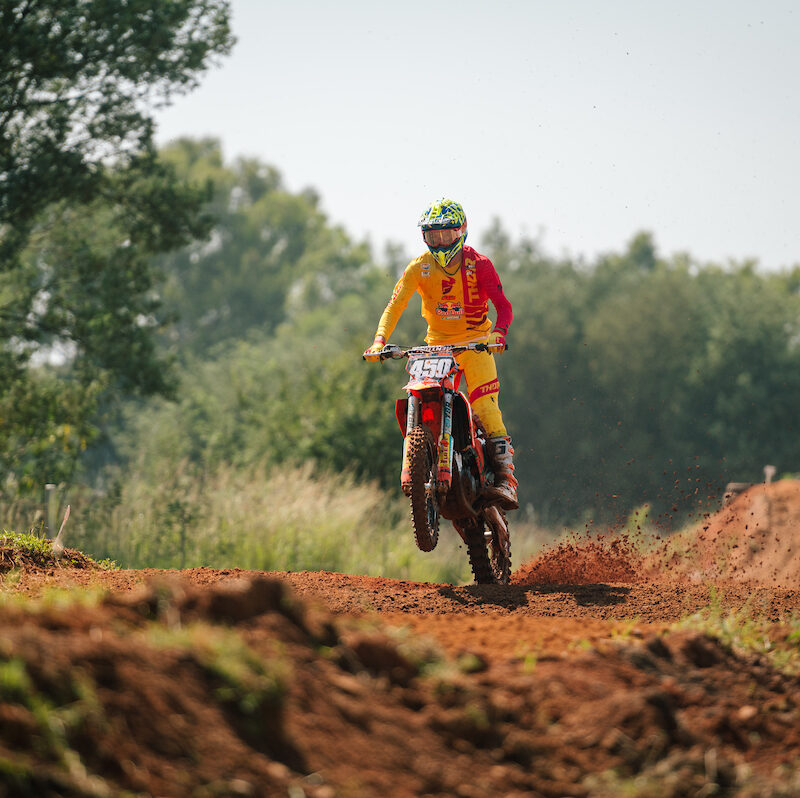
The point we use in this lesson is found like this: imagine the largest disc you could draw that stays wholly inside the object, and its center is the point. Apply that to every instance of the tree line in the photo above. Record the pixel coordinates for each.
(631, 380)
(168, 310)
(86, 205)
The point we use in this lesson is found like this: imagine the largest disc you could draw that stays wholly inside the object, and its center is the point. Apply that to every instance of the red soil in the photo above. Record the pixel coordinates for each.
(585, 561)
(565, 683)
(755, 538)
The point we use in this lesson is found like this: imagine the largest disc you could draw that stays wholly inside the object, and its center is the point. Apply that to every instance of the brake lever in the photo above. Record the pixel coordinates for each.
(485, 348)
(391, 352)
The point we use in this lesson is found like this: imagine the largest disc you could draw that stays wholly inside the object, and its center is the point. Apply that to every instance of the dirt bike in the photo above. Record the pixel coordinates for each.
(447, 464)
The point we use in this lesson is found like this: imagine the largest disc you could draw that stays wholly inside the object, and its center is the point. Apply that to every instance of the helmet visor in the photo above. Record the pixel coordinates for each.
(441, 238)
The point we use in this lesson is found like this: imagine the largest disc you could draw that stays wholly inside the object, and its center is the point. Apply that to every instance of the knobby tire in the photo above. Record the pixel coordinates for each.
(490, 566)
(422, 464)
(501, 565)
(479, 554)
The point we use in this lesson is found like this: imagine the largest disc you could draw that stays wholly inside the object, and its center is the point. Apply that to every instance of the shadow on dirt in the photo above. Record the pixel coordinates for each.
(512, 597)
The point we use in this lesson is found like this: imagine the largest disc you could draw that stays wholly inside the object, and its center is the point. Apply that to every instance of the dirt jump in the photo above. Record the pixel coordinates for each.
(581, 678)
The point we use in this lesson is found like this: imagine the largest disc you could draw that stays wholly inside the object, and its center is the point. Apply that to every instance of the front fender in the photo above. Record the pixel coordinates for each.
(401, 412)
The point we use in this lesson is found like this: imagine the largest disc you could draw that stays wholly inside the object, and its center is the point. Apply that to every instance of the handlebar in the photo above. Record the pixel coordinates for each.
(394, 352)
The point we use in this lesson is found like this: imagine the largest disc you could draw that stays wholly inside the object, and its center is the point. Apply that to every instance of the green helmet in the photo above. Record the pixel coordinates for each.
(444, 229)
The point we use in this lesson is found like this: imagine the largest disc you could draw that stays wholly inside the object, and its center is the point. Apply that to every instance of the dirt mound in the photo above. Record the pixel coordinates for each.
(40, 558)
(755, 538)
(586, 561)
(232, 683)
(240, 688)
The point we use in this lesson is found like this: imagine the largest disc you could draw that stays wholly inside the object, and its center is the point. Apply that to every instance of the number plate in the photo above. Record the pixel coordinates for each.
(430, 368)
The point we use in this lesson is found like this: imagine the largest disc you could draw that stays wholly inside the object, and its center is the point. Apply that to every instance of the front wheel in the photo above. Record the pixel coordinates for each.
(422, 466)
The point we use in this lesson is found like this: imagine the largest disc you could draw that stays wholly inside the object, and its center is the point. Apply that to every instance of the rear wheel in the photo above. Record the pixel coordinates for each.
(489, 557)
(478, 553)
(422, 464)
(501, 565)
(499, 545)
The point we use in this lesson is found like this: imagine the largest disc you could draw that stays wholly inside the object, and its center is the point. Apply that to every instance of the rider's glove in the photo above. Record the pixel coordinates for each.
(373, 353)
(497, 341)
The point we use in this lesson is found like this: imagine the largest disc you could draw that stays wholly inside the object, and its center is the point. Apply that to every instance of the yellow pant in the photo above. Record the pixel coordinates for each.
(480, 372)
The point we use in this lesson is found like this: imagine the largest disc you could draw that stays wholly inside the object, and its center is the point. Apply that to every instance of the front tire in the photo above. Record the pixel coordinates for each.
(422, 465)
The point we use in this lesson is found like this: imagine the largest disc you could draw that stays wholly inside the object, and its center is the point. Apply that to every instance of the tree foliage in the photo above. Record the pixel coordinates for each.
(629, 380)
(271, 254)
(633, 379)
(79, 79)
(85, 204)
(641, 379)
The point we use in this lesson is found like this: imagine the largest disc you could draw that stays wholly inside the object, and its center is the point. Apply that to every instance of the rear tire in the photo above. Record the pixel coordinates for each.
(422, 464)
(501, 564)
(478, 554)
(490, 564)
(499, 545)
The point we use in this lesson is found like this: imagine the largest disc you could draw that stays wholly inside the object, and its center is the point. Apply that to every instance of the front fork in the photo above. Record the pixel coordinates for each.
(412, 420)
(444, 470)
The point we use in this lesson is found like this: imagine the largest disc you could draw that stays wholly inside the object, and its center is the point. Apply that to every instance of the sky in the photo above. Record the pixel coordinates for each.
(576, 123)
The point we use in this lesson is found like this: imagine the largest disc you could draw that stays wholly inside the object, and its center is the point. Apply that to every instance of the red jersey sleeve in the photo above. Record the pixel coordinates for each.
(493, 288)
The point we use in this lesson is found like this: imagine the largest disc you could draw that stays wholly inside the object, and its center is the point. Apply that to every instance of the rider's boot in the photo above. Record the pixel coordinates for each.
(504, 491)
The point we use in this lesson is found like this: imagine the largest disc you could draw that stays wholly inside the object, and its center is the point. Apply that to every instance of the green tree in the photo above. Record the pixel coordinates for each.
(78, 81)
(272, 253)
(743, 378)
(641, 379)
(302, 394)
(544, 376)
(84, 205)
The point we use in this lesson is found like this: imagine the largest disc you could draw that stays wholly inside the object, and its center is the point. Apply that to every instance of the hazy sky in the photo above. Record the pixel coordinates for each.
(576, 122)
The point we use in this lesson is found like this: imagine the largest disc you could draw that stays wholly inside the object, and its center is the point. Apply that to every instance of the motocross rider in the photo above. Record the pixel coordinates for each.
(456, 283)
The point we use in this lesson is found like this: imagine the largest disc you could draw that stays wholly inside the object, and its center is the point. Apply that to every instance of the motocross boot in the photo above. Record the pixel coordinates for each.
(501, 457)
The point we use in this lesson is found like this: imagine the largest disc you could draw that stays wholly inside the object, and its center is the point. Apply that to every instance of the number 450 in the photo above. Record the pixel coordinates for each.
(432, 368)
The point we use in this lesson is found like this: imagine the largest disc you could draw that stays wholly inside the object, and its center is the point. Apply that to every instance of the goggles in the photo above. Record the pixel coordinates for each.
(442, 237)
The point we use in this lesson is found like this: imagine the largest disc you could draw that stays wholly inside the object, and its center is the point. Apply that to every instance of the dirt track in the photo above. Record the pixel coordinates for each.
(409, 689)
(499, 623)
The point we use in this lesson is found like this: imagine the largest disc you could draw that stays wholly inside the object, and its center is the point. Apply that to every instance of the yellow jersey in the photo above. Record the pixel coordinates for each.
(455, 306)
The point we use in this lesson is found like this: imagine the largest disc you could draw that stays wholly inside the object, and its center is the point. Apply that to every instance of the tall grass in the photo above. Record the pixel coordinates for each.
(281, 519)
(287, 519)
